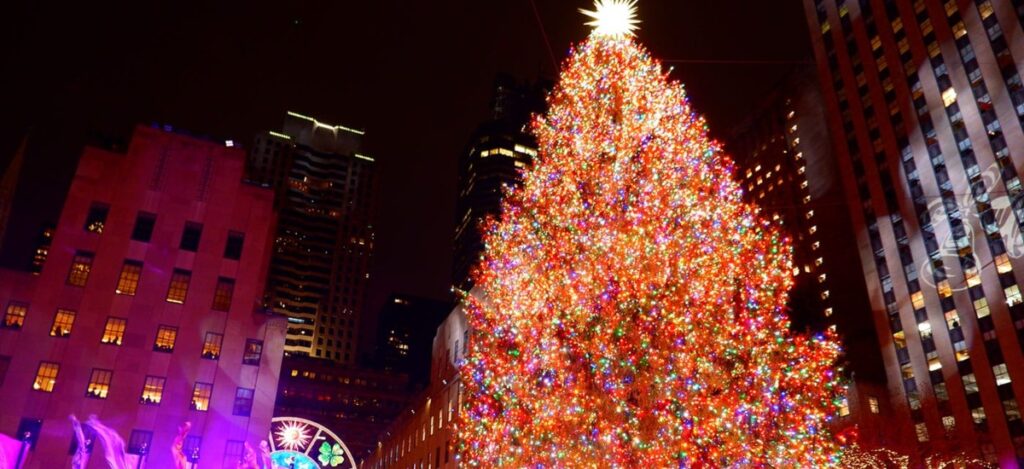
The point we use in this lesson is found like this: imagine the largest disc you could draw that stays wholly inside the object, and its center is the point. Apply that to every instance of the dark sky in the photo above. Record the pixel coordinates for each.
(415, 75)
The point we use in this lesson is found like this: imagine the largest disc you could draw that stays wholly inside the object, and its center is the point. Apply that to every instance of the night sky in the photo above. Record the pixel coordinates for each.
(415, 75)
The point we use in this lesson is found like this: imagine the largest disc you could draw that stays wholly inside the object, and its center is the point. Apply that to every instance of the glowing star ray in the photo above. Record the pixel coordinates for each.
(614, 18)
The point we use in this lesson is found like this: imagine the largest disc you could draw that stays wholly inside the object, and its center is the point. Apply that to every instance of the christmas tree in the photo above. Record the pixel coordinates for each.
(630, 304)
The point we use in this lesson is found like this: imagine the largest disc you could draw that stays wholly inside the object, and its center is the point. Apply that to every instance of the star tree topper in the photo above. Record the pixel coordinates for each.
(615, 18)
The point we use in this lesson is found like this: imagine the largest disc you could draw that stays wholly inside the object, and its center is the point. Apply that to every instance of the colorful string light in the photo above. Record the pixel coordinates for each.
(631, 312)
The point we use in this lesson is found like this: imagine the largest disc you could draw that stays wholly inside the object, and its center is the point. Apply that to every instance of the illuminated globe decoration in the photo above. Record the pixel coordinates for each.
(305, 444)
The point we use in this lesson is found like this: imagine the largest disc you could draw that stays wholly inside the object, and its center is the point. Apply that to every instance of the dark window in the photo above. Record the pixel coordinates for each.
(28, 429)
(233, 248)
(138, 442)
(253, 352)
(191, 447)
(243, 401)
(233, 451)
(144, 224)
(222, 294)
(97, 217)
(5, 364)
(190, 237)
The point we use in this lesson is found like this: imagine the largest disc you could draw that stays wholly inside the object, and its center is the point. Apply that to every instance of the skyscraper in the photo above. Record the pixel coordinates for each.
(925, 103)
(321, 262)
(784, 160)
(146, 310)
(407, 327)
(498, 151)
(8, 186)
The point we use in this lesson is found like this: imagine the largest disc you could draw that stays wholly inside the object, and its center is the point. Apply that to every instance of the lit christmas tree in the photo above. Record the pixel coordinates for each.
(630, 311)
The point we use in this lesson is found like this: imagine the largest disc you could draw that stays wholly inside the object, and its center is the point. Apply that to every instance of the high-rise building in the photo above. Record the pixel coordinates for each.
(356, 404)
(925, 102)
(500, 149)
(406, 335)
(321, 264)
(783, 156)
(146, 312)
(424, 434)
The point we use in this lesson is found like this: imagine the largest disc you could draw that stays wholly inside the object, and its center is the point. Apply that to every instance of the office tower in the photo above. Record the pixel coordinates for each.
(407, 327)
(146, 310)
(424, 434)
(784, 161)
(499, 150)
(924, 101)
(321, 263)
(356, 404)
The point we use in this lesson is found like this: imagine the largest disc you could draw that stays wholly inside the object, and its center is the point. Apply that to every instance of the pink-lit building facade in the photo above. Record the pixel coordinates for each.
(146, 311)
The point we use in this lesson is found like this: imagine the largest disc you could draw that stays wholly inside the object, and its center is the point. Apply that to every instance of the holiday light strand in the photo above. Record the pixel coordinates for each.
(631, 311)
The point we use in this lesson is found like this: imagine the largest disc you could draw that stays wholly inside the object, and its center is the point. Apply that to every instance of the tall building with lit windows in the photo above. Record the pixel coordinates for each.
(925, 103)
(500, 149)
(320, 269)
(147, 310)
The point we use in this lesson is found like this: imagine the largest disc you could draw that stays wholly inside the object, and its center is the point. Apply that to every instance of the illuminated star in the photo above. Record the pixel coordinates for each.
(613, 17)
(293, 436)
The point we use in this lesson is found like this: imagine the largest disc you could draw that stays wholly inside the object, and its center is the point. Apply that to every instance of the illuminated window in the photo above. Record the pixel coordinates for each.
(981, 307)
(46, 376)
(807, 199)
(1012, 295)
(828, 312)
(152, 390)
(824, 295)
(178, 290)
(873, 404)
(821, 278)
(801, 170)
(917, 299)
(211, 345)
(899, 339)
(1003, 263)
(973, 279)
(243, 401)
(113, 331)
(925, 329)
(970, 383)
(99, 383)
(803, 185)
(233, 248)
(985, 9)
(14, 317)
(222, 294)
(1002, 374)
(948, 422)
(128, 282)
(813, 229)
(922, 432)
(960, 348)
(844, 408)
(978, 415)
(952, 319)
(944, 289)
(81, 264)
(143, 229)
(810, 214)
(201, 396)
(253, 352)
(63, 321)
(165, 337)
(948, 96)
(97, 217)
(190, 236)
